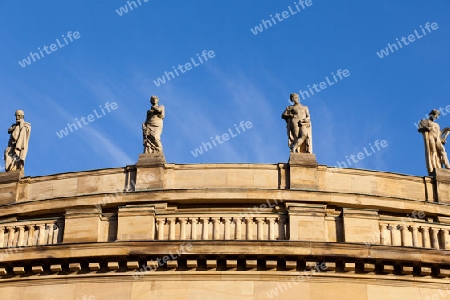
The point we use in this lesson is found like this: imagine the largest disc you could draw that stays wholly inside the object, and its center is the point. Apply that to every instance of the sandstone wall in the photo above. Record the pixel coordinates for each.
(224, 231)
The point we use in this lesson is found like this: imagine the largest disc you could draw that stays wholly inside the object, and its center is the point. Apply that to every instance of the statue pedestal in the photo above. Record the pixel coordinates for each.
(303, 159)
(442, 185)
(9, 188)
(150, 170)
(12, 176)
(151, 159)
(303, 171)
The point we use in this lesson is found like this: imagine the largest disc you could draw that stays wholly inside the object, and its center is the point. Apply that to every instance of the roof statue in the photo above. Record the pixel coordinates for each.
(197, 230)
(152, 127)
(434, 139)
(17, 149)
(298, 125)
(151, 131)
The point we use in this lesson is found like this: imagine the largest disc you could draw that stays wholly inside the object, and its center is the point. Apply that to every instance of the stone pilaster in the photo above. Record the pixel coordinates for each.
(307, 222)
(9, 185)
(361, 226)
(442, 185)
(136, 222)
(82, 225)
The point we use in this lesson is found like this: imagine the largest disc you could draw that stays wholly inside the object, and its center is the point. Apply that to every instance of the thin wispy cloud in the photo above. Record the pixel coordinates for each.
(254, 106)
(107, 148)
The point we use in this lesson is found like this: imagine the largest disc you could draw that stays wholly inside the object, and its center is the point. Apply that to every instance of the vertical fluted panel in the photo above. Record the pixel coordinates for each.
(30, 235)
(216, 226)
(10, 230)
(394, 240)
(259, 229)
(415, 236)
(171, 222)
(182, 228)
(238, 228)
(160, 223)
(404, 234)
(20, 240)
(383, 237)
(194, 228)
(2, 236)
(205, 228)
(434, 238)
(249, 228)
(446, 239)
(51, 230)
(227, 234)
(42, 234)
(271, 228)
(425, 237)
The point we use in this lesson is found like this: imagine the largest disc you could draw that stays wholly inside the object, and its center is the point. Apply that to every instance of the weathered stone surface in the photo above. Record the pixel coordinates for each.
(361, 225)
(303, 216)
(136, 222)
(443, 185)
(303, 159)
(225, 231)
(12, 176)
(148, 160)
(82, 225)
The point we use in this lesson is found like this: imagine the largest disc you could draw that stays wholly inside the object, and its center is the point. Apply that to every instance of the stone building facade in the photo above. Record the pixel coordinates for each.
(225, 231)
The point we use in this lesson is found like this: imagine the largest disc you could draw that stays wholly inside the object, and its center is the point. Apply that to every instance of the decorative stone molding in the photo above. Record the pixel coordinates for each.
(31, 233)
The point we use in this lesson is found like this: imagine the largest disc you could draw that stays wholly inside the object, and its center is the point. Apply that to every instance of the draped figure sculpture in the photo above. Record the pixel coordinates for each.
(17, 149)
(152, 127)
(434, 139)
(298, 125)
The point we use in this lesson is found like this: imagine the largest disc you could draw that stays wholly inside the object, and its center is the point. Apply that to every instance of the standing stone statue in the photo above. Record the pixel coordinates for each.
(434, 139)
(152, 128)
(17, 149)
(298, 126)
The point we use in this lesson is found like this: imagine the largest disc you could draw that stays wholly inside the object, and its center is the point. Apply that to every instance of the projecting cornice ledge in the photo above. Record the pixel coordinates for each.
(191, 258)
(287, 249)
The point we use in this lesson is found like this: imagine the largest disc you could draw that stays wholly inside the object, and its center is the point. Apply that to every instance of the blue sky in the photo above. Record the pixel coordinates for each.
(118, 58)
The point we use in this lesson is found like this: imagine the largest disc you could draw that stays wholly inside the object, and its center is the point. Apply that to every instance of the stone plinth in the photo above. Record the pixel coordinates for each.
(9, 182)
(136, 222)
(82, 225)
(443, 185)
(303, 159)
(309, 216)
(12, 176)
(150, 171)
(361, 225)
(303, 171)
(151, 159)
